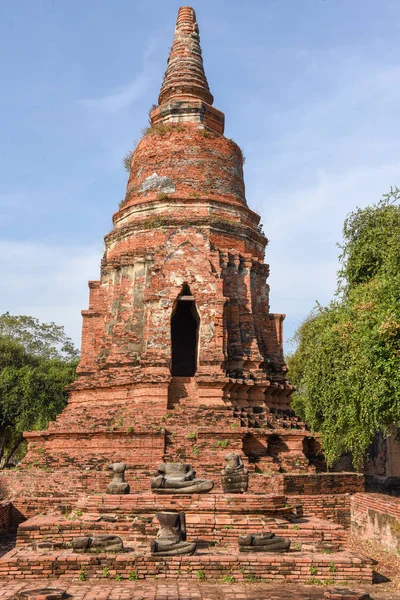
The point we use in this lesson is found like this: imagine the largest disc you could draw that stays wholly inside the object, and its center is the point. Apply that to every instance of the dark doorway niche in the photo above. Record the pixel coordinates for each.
(254, 448)
(184, 335)
(276, 445)
(313, 451)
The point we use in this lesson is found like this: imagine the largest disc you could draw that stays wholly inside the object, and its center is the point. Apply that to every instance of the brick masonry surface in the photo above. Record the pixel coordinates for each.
(376, 517)
(167, 590)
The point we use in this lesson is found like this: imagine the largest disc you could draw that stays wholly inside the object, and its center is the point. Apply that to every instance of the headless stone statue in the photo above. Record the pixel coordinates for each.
(178, 478)
(118, 484)
(97, 544)
(235, 477)
(263, 542)
(171, 537)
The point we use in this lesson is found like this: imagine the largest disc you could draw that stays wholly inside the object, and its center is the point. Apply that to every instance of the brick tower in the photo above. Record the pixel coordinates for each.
(181, 363)
(180, 316)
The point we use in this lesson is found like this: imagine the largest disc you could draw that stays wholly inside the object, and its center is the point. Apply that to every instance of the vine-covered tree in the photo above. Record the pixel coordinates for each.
(37, 362)
(347, 363)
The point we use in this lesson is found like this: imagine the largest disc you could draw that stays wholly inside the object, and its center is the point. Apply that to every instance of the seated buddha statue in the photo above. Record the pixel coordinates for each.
(171, 537)
(235, 477)
(178, 478)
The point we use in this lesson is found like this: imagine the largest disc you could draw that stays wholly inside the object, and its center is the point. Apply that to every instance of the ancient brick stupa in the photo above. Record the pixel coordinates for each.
(182, 362)
(180, 316)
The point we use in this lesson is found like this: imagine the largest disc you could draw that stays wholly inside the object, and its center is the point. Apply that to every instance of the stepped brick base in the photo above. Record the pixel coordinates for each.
(22, 563)
(139, 530)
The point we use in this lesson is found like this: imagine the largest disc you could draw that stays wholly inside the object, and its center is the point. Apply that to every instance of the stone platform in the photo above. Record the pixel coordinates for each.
(213, 520)
(210, 519)
(138, 530)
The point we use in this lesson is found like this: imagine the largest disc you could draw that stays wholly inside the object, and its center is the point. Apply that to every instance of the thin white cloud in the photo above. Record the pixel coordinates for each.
(125, 96)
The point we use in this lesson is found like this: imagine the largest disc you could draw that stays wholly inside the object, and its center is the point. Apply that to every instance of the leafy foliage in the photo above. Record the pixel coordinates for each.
(347, 363)
(127, 160)
(37, 362)
(46, 340)
(371, 242)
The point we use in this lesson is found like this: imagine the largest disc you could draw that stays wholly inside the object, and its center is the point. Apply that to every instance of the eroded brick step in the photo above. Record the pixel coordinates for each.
(220, 529)
(20, 563)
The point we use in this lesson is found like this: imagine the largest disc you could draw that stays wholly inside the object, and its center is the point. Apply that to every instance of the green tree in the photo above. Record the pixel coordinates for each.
(346, 366)
(37, 363)
(46, 340)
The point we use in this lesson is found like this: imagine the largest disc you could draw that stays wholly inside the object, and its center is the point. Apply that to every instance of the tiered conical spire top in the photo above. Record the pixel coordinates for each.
(185, 76)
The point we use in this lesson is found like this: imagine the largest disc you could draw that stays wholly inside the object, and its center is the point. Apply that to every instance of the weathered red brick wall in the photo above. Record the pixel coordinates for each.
(329, 507)
(197, 163)
(384, 457)
(376, 517)
(324, 483)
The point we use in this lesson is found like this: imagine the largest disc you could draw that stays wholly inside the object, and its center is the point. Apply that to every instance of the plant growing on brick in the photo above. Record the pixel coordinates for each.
(221, 444)
(133, 576)
(82, 575)
(127, 160)
(228, 579)
(313, 570)
(118, 577)
(253, 579)
(106, 571)
(332, 567)
(200, 575)
(313, 581)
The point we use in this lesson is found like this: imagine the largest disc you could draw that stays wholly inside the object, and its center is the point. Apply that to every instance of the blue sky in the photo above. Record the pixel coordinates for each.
(310, 90)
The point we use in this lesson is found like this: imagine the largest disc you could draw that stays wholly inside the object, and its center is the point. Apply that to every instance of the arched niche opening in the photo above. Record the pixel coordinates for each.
(185, 322)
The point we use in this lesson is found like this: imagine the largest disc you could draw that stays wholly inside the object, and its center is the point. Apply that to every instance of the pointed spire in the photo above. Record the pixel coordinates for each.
(185, 77)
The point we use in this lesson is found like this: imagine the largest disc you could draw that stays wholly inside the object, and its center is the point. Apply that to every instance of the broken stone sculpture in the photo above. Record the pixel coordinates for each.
(41, 594)
(235, 477)
(118, 484)
(263, 542)
(171, 537)
(99, 543)
(178, 478)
